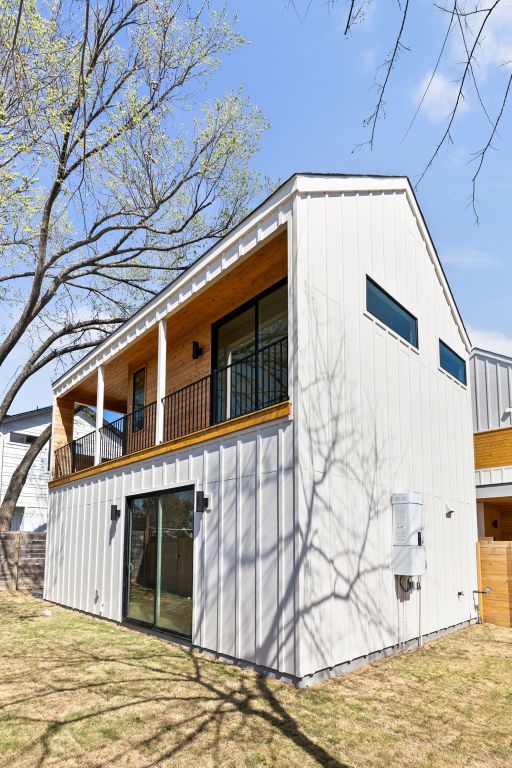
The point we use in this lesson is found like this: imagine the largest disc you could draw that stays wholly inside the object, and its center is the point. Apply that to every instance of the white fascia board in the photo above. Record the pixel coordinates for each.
(489, 492)
(257, 227)
(487, 354)
(337, 184)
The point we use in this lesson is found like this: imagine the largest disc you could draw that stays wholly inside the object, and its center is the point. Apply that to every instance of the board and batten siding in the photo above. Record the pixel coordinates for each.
(243, 593)
(375, 416)
(491, 384)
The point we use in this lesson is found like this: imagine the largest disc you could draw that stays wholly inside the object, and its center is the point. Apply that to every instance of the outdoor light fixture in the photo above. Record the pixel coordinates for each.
(494, 523)
(115, 513)
(202, 502)
(197, 350)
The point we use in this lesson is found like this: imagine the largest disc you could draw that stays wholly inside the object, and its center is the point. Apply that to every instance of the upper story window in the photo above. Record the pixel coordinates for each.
(382, 306)
(451, 362)
(139, 395)
(250, 355)
(21, 437)
(254, 326)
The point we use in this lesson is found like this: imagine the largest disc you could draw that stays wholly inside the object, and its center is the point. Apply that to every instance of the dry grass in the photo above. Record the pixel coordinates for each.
(80, 692)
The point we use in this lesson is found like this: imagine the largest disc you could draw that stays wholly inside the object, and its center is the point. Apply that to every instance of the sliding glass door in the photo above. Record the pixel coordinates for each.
(160, 560)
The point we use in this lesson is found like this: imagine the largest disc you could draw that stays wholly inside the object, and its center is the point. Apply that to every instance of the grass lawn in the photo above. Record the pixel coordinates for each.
(75, 691)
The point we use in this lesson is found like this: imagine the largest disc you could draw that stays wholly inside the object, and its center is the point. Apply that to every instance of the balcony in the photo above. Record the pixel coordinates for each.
(248, 385)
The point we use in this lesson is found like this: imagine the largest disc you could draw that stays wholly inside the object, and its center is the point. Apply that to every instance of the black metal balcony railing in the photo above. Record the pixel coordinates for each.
(130, 433)
(77, 455)
(256, 381)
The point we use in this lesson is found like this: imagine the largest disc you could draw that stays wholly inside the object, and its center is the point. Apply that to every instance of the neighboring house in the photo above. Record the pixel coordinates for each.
(17, 432)
(295, 457)
(491, 385)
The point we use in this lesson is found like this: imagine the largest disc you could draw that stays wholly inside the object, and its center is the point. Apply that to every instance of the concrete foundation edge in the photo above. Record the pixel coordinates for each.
(305, 681)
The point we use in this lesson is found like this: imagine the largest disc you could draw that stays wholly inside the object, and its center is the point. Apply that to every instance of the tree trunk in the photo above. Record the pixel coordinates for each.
(19, 478)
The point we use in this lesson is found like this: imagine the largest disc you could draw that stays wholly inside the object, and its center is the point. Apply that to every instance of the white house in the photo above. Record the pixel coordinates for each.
(295, 457)
(17, 432)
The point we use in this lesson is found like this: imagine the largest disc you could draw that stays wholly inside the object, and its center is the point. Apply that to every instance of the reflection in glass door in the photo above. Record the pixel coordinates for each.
(160, 560)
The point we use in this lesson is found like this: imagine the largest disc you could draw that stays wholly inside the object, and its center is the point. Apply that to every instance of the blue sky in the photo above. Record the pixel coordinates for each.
(315, 87)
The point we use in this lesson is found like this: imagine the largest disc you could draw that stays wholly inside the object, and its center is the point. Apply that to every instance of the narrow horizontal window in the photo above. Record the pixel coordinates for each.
(451, 362)
(391, 313)
(21, 437)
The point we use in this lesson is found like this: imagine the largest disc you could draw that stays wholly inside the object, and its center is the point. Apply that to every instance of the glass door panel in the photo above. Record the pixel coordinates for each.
(160, 560)
(142, 559)
(273, 317)
(235, 379)
(174, 598)
(272, 347)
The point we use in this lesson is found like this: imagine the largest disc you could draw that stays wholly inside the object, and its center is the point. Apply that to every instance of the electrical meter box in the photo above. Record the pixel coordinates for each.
(408, 539)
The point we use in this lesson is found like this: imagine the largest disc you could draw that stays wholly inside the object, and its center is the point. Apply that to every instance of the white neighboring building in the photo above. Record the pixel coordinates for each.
(17, 432)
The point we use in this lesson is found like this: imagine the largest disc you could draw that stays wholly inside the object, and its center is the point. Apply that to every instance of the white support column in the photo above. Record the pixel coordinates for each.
(100, 396)
(160, 380)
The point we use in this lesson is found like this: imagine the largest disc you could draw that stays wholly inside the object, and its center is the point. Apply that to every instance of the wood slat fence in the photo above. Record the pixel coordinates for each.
(495, 571)
(22, 557)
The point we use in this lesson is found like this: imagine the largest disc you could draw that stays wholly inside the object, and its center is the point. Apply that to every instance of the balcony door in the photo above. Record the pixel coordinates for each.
(250, 355)
(158, 591)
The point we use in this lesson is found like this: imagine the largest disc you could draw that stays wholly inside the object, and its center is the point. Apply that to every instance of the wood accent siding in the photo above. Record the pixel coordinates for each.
(194, 322)
(495, 571)
(493, 448)
(63, 416)
(501, 514)
(260, 270)
(251, 420)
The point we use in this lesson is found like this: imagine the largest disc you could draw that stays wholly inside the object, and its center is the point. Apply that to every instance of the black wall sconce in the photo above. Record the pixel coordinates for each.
(197, 350)
(494, 523)
(115, 513)
(202, 502)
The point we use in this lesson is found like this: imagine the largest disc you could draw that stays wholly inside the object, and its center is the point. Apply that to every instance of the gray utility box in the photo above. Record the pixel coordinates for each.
(409, 557)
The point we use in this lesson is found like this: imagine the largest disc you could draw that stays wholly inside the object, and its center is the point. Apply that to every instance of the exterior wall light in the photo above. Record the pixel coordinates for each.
(197, 350)
(202, 502)
(115, 513)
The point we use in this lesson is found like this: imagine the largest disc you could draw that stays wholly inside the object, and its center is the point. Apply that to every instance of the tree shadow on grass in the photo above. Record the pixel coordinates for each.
(210, 706)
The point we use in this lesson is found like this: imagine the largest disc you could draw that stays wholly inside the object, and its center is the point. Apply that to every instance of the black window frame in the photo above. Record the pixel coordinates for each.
(26, 439)
(238, 311)
(399, 305)
(250, 304)
(187, 486)
(458, 357)
(138, 413)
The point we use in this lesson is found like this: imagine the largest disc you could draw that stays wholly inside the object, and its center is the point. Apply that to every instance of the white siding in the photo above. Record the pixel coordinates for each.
(491, 384)
(243, 548)
(375, 416)
(34, 495)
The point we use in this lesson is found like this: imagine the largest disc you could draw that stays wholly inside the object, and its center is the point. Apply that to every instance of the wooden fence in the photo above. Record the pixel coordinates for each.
(22, 560)
(495, 571)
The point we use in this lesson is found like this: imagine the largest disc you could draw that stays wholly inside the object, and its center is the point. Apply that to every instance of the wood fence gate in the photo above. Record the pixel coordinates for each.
(494, 560)
(22, 557)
